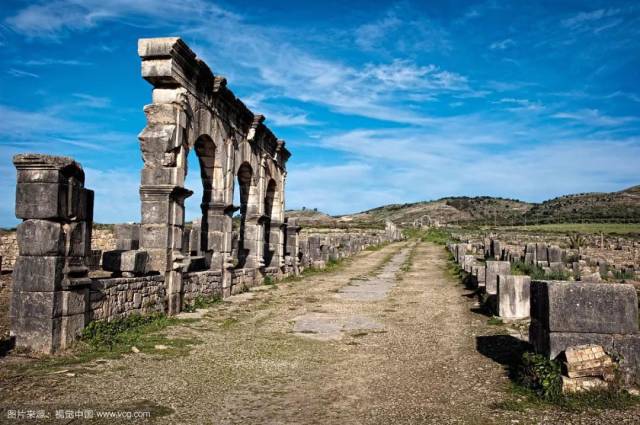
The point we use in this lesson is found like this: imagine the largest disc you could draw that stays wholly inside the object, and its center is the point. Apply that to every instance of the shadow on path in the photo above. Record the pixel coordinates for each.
(504, 349)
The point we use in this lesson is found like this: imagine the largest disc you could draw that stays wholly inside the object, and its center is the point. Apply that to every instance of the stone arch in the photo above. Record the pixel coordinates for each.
(192, 109)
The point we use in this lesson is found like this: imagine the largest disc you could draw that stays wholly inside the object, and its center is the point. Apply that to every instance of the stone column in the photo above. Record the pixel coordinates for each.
(50, 284)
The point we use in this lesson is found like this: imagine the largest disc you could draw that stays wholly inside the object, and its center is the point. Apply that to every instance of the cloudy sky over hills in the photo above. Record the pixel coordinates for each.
(379, 102)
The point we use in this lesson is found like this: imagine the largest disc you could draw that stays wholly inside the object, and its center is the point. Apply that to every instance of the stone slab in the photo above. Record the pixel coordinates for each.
(561, 306)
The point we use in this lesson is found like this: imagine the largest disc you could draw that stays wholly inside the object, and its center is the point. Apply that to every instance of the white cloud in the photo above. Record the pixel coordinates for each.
(53, 61)
(502, 45)
(463, 157)
(55, 19)
(594, 117)
(19, 73)
(402, 29)
(90, 101)
(583, 18)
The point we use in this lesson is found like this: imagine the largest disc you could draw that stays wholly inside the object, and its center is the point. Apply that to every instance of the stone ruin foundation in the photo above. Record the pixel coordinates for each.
(163, 263)
(596, 320)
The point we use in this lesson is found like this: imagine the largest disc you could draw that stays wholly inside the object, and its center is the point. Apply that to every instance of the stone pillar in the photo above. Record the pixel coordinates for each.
(50, 294)
(276, 244)
(513, 296)
(493, 269)
(293, 244)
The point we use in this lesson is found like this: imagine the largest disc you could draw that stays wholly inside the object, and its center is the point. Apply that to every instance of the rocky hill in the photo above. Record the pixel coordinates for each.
(619, 207)
(614, 207)
(481, 209)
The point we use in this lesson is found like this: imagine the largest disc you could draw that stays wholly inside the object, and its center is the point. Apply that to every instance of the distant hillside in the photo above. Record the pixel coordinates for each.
(615, 207)
(618, 207)
(481, 209)
(310, 217)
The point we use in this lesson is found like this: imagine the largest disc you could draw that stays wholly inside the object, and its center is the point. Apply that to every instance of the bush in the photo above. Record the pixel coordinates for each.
(541, 375)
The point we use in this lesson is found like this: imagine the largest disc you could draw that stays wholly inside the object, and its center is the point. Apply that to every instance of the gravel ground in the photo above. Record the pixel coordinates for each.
(304, 353)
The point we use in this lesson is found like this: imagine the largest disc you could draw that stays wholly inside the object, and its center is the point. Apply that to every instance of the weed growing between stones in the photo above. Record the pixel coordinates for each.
(376, 247)
(495, 321)
(268, 280)
(201, 302)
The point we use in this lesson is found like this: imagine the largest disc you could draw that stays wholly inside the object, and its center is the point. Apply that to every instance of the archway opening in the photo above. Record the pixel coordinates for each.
(244, 184)
(268, 211)
(199, 179)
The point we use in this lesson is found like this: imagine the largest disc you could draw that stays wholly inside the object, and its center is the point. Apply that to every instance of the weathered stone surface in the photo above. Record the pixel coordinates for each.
(38, 274)
(584, 307)
(493, 269)
(126, 261)
(41, 238)
(513, 296)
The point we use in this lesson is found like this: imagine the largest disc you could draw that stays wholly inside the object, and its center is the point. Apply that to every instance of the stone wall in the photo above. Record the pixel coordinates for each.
(115, 298)
(101, 240)
(8, 249)
(201, 284)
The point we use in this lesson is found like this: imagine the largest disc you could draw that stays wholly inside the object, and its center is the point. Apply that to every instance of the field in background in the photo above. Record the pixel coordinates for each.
(607, 228)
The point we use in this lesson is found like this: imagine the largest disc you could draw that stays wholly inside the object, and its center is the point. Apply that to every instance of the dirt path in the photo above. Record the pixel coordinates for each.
(375, 342)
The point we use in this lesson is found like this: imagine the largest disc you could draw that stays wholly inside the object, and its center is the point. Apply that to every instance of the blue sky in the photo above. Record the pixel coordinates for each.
(379, 102)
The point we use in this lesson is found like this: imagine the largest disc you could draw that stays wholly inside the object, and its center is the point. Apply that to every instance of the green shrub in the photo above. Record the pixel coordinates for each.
(536, 272)
(541, 375)
(268, 280)
(625, 274)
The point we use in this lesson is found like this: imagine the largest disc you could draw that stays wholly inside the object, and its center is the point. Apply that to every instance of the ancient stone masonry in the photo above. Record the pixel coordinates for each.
(192, 109)
(163, 263)
(50, 284)
(565, 316)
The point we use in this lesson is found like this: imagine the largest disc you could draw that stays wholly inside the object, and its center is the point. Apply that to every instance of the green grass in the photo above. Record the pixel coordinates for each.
(433, 235)
(111, 340)
(536, 272)
(268, 280)
(330, 266)
(523, 399)
(377, 247)
(201, 302)
(593, 228)
(495, 321)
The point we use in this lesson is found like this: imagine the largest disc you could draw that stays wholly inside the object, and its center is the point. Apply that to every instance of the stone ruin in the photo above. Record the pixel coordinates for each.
(584, 323)
(163, 263)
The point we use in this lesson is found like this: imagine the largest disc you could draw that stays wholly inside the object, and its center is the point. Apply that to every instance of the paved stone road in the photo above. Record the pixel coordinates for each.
(366, 344)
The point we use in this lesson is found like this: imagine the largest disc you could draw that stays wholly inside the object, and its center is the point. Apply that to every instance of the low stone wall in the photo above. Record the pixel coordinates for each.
(205, 283)
(8, 250)
(115, 298)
